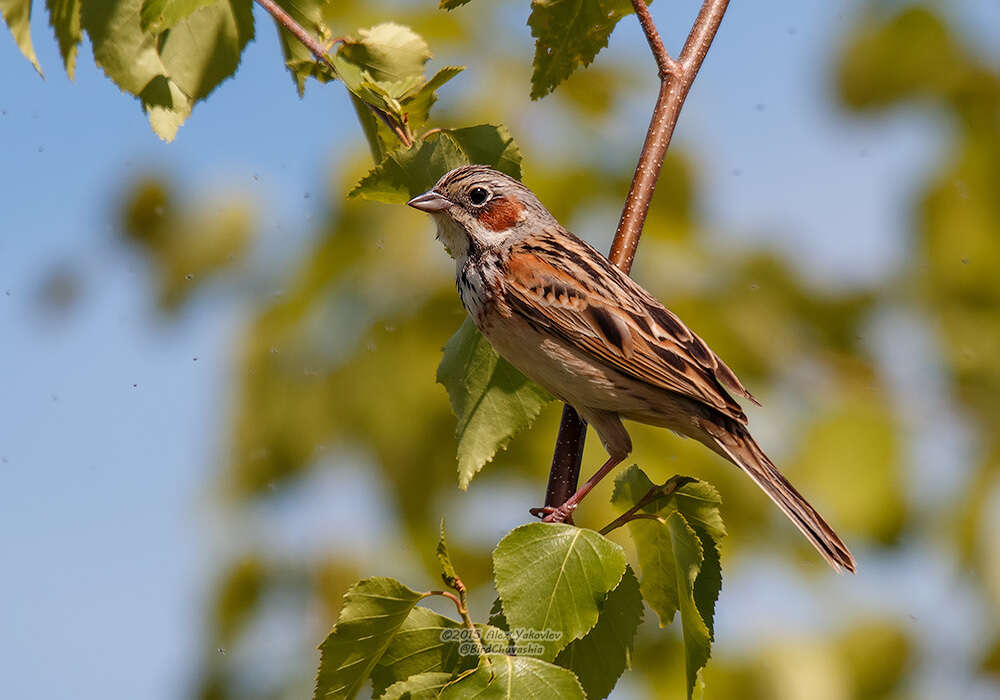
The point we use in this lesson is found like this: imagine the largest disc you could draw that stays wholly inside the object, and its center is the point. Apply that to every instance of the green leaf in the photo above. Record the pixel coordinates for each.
(380, 139)
(654, 549)
(303, 67)
(157, 16)
(492, 400)
(688, 556)
(204, 49)
(390, 53)
(569, 34)
(374, 610)
(422, 686)
(427, 641)
(414, 104)
(298, 59)
(170, 73)
(490, 145)
(553, 580)
(709, 581)
(600, 657)
(407, 172)
(417, 103)
(17, 15)
(698, 502)
(384, 65)
(515, 678)
(678, 558)
(64, 17)
(448, 573)
(452, 4)
(496, 616)
(361, 84)
(441, 77)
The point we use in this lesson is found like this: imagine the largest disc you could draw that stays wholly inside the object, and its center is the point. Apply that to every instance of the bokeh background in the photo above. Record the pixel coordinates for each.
(217, 397)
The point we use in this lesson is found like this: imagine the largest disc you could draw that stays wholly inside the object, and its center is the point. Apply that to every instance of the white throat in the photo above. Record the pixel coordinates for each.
(453, 236)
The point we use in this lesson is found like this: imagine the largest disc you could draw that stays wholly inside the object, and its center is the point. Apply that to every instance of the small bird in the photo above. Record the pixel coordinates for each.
(560, 312)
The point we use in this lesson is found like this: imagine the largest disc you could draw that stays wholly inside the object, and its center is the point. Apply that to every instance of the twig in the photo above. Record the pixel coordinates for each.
(666, 64)
(463, 611)
(618, 522)
(675, 84)
(655, 493)
(676, 78)
(296, 30)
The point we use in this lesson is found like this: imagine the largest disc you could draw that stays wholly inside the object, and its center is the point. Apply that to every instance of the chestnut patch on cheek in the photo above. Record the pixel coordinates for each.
(501, 214)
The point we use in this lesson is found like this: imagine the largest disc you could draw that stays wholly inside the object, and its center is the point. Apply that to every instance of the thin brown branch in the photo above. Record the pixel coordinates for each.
(674, 88)
(463, 611)
(676, 78)
(666, 64)
(317, 50)
(618, 522)
(655, 493)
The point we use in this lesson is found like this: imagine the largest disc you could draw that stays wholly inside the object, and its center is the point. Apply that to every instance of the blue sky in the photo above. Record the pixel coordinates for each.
(110, 420)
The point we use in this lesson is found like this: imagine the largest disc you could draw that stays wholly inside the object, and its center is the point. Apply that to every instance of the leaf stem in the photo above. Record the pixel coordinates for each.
(307, 40)
(435, 130)
(656, 492)
(676, 78)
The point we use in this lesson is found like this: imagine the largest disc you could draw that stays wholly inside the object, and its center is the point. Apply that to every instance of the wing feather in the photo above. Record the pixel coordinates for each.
(591, 304)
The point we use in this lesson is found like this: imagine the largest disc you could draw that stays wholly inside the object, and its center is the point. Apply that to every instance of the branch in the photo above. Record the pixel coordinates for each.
(675, 83)
(565, 470)
(463, 611)
(317, 49)
(676, 78)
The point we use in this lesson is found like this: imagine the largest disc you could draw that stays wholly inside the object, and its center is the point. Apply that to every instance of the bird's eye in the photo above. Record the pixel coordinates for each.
(479, 195)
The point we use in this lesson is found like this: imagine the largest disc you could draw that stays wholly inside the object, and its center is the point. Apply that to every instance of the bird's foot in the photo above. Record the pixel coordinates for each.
(549, 514)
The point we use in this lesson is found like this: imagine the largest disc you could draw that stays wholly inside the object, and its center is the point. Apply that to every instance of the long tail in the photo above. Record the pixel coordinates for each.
(736, 444)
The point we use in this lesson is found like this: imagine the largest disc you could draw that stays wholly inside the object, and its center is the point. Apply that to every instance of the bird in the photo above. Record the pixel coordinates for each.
(568, 319)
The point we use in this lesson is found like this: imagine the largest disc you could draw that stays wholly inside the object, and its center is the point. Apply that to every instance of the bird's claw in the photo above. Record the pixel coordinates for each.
(550, 514)
(541, 512)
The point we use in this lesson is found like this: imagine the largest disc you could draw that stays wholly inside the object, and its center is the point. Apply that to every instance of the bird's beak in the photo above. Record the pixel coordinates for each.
(429, 202)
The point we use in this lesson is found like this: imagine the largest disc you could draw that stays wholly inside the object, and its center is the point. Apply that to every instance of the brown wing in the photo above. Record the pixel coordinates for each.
(563, 285)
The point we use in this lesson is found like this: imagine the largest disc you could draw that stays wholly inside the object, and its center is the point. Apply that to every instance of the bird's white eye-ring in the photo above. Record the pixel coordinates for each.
(479, 196)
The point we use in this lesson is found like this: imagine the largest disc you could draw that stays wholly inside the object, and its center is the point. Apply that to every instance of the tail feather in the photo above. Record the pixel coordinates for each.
(736, 444)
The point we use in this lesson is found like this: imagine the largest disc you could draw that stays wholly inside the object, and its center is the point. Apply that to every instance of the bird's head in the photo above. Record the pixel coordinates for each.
(476, 207)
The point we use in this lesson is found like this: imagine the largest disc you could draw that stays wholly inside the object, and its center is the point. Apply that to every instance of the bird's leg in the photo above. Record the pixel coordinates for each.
(558, 515)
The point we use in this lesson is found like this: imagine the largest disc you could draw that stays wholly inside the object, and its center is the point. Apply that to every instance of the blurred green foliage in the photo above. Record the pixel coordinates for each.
(186, 247)
(951, 277)
(343, 361)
